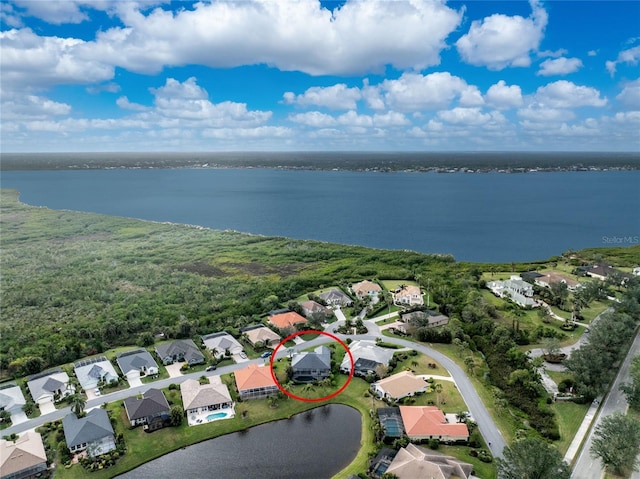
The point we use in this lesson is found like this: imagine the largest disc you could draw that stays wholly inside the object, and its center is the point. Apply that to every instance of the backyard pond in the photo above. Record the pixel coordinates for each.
(312, 445)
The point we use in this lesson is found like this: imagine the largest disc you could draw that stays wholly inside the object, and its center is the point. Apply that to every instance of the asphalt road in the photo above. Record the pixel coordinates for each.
(478, 411)
(585, 466)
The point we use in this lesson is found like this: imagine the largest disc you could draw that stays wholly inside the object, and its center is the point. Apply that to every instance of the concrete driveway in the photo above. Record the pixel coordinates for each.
(46, 407)
(18, 417)
(174, 370)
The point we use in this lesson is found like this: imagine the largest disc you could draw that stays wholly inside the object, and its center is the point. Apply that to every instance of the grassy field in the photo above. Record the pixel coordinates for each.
(570, 416)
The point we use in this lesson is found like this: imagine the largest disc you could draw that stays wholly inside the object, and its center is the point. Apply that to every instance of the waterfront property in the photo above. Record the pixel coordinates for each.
(603, 271)
(399, 385)
(23, 458)
(515, 289)
(92, 433)
(408, 295)
(49, 386)
(429, 422)
(179, 351)
(311, 365)
(137, 363)
(287, 320)
(201, 401)
(261, 335)
(255, 382)
(413, 461)
(336, 297)
(220, 343)
(545, 280)
(367, 356)
(151, 410)
(96, 370)
(391, 422)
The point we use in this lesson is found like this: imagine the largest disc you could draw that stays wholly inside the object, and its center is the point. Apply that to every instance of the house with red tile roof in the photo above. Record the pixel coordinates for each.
(366, 288)
(255, 382)
(287, 320)
(429, 422)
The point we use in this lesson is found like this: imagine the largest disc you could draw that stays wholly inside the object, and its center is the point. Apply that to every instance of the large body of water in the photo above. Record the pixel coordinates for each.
(313, 445)
(490, 217)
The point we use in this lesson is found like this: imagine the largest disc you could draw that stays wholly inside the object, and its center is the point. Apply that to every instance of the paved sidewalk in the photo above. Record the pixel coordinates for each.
(574, 447)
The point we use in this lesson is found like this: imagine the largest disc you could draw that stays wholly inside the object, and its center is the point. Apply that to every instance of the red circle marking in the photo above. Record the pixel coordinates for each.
(312, 331)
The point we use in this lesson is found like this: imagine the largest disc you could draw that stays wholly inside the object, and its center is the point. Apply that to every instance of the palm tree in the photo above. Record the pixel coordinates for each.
(438, 389)
(307, 388)
(77, 404)
(461, 416)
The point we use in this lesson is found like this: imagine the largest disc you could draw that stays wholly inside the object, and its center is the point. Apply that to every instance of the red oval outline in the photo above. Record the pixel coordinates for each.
(312, 331)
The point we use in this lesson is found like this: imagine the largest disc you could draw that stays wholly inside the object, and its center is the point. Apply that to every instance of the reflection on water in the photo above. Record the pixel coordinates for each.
(312, 445)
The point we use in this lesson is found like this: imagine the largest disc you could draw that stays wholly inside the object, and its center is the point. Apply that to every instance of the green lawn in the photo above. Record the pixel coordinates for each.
(393, 284)
(481, 469)
(569, 416)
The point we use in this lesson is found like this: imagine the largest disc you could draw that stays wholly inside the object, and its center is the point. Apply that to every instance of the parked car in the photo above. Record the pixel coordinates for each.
(211, 368)
(266, 354)
(97, 392)
(243, 355)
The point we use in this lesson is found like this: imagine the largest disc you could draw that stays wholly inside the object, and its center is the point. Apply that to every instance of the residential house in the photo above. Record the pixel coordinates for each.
(11, 398)
(636, 271)
(413, 461)
(255, 382)
(151, 410)
(336, 297)
(137, 363)
(552, 277)
(408, 295)
(313, 308)
(182, 350)
(90, 372)
(399, 385)
(367, 356)
(603, 271)
(420, 319)
(287, 320)
(261, 335)
(429, 422)
(515, 289)
(311, 366)
(198, 398)
(391, 421)
(92, 433)
(47, 386)
(220, 343)
(366, 288)
(24, 458)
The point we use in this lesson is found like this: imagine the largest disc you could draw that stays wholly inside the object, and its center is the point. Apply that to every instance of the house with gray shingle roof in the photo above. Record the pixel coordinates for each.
(180, 350)
(336, 297)
(92, 371)
(150, 409)
(367, 356)
(46, 386)
(221, 343)
(11, 398)
(136, 363)
(92, 433)
(311, 366)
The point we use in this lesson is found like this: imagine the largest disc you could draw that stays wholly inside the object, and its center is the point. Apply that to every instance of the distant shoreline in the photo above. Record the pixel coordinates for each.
(377, 162)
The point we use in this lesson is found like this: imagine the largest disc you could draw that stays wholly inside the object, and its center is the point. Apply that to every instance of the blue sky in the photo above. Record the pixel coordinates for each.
(418, 75)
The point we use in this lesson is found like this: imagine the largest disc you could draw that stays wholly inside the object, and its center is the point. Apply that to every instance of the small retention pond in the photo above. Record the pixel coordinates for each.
(312, 445)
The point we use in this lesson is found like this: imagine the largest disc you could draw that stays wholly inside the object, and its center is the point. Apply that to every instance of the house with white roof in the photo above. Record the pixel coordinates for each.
(220, 343)
(367, 356)
(515, 289)
(92, 371)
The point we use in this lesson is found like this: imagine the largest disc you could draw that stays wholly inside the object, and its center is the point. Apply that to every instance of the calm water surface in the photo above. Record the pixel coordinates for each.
(307, 446)
(490, 217)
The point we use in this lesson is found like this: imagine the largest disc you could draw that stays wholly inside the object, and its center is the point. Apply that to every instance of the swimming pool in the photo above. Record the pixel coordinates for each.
(217, 415)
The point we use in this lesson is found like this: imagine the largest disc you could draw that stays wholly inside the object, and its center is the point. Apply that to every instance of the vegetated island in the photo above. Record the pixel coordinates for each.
(440, 162)
(76, 285)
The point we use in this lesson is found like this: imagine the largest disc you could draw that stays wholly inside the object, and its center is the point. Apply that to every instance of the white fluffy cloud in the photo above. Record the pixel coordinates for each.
(29, 60)
(412, 92)
(630, 94)
(124, 103)
(336, 97)
(503, 97)
(539, 113)
(500, 41)
(559, 66)
(31, 107)
(359, 36)
(351, 119)
(464, 116)
(565, 94)
(630, 57)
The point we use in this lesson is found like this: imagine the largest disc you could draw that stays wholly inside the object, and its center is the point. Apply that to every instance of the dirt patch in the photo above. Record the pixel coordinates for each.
(202, 268)
(128, 287)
